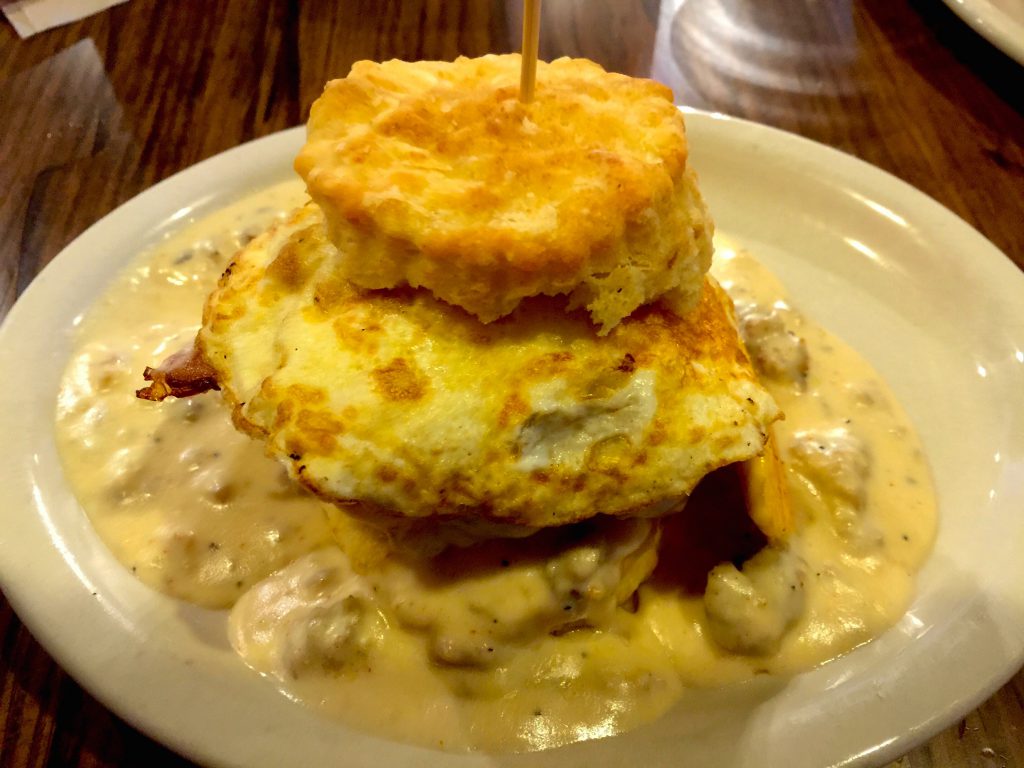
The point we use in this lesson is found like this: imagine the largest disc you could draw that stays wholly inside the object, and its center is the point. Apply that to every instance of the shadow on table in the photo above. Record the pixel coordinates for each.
(943, 38)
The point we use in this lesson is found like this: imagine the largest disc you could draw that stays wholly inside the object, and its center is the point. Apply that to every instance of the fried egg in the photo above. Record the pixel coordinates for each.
(395, 403)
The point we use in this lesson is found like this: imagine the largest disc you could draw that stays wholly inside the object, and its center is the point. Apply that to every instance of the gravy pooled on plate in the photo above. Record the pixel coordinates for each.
(509, 644)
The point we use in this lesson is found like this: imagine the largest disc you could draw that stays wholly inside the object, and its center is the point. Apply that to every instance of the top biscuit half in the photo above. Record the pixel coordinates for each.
(434, 175)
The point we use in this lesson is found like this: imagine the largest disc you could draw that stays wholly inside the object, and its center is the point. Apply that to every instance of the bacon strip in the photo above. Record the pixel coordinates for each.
(183, 374)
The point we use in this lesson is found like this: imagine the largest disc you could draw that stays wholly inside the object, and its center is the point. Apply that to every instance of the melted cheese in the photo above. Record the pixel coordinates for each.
(197, 511)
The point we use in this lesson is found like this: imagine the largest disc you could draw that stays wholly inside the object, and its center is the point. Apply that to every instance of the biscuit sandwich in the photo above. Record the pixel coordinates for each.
(493, 321)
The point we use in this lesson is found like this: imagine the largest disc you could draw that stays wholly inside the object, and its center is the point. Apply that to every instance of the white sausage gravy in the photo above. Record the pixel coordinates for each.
(542, 649)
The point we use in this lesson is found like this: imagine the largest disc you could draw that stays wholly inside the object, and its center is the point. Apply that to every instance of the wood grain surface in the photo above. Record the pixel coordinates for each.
(95, 112)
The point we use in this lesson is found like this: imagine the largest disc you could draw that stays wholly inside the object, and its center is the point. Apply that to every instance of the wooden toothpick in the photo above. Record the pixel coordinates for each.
(531, 40)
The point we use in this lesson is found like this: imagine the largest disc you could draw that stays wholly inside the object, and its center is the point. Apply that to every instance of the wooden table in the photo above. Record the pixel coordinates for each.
(95, 112)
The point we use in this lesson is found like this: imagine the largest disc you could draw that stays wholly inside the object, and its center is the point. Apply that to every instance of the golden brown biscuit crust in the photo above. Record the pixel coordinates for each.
(434, 174)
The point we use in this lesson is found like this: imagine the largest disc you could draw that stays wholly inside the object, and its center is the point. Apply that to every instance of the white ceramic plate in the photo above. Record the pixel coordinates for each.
(1001, 22)
(928, 300)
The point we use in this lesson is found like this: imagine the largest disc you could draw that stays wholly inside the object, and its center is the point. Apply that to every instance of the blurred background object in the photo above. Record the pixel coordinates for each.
(1001, 22)
(31, 16)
